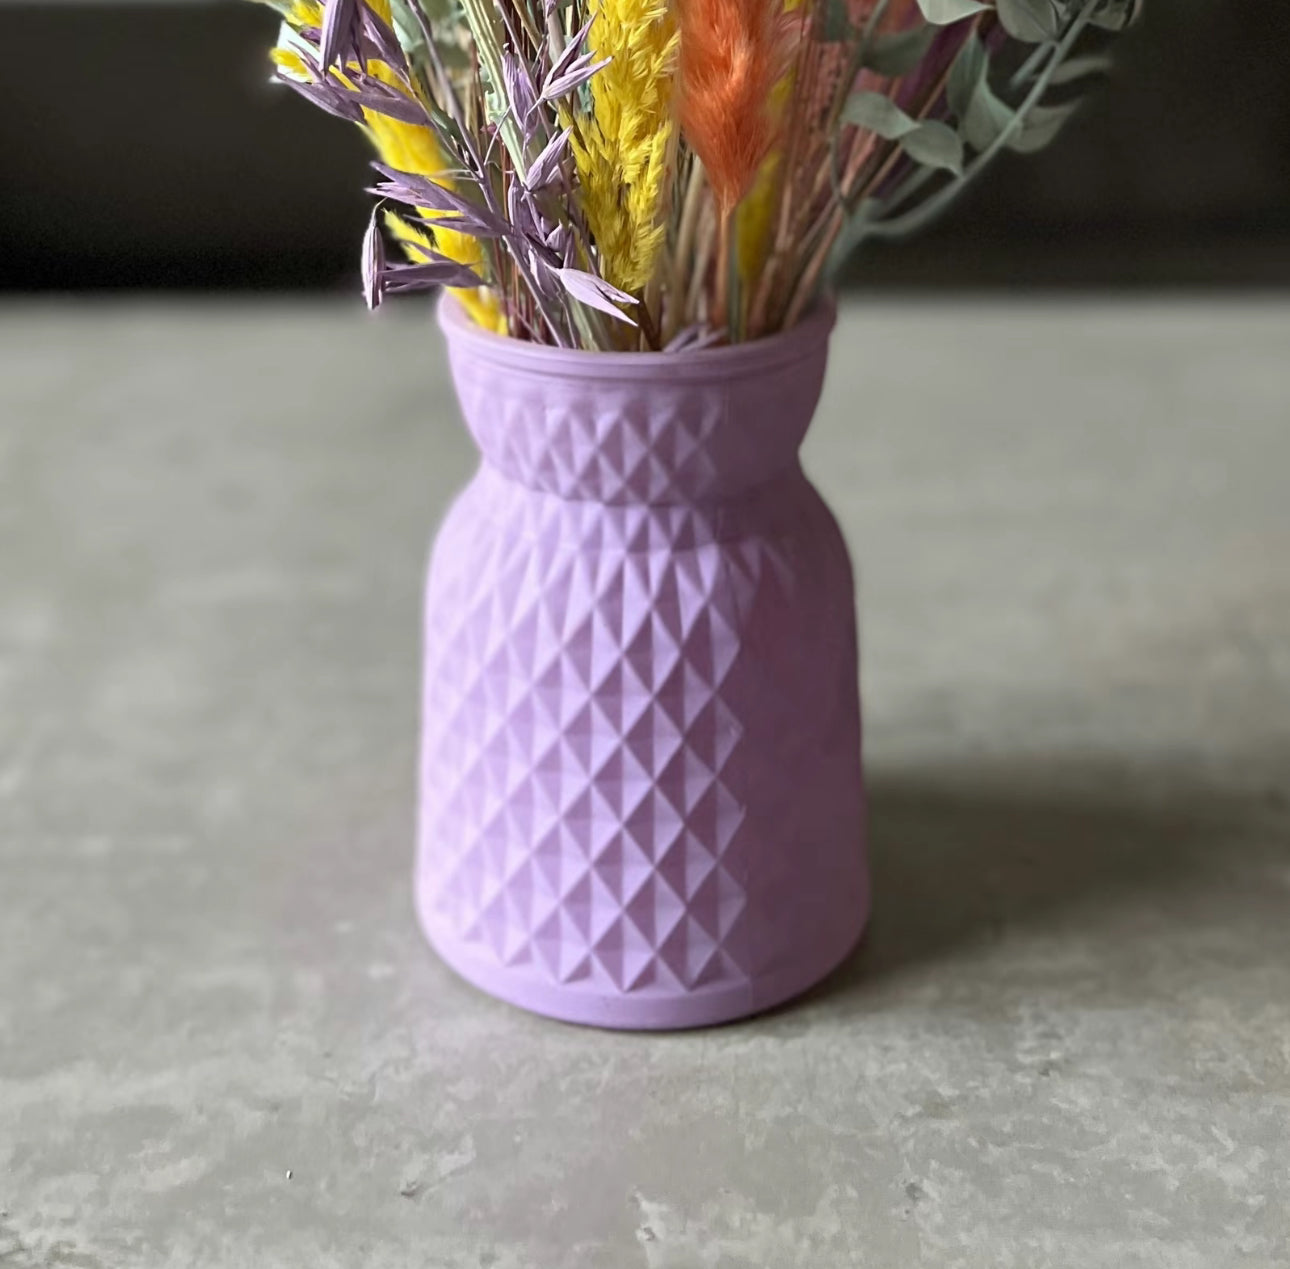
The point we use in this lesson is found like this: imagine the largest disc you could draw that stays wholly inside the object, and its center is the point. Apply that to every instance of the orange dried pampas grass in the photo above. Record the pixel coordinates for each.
(732, 53)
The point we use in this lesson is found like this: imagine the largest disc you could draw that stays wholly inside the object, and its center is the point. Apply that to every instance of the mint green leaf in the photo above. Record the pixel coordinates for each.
(987, 116)
(967, 72)
(876, 113)
(980, 113)
(935, 145)
(1031, 21)
(1041, 126)
(1081, 67)
(943, 12)
(837, 21)
(900, 52)
(1115, 15)
(931, 143)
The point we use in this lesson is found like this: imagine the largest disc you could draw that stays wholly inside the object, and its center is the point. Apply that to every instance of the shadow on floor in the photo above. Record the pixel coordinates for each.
(959, 859)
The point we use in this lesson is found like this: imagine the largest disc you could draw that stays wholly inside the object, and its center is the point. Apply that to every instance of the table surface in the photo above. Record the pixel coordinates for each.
(1066, 1040)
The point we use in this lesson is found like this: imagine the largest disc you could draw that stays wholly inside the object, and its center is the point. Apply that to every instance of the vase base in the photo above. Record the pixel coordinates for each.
(647, 1010)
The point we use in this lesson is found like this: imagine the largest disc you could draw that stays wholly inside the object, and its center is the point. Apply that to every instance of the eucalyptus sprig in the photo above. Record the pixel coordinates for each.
(982, 120)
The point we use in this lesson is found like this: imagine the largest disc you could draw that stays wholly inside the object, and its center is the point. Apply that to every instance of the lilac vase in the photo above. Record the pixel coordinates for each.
(641, 800)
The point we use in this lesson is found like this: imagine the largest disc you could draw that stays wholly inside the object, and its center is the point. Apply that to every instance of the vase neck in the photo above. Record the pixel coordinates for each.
(650, 429)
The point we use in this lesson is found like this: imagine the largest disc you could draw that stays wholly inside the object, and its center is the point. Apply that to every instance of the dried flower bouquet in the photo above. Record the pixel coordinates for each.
(655, 174)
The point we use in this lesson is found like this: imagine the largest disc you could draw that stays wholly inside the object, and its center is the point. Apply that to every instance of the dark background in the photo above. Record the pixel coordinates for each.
(141, 146)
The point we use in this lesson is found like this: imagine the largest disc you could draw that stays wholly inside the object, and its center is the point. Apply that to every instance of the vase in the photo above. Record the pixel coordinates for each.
(640, 785)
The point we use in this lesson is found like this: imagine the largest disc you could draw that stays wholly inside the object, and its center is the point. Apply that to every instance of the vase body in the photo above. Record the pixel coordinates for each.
(640, 786)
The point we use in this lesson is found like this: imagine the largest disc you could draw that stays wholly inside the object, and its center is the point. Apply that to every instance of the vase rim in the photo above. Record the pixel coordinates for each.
(759, 355)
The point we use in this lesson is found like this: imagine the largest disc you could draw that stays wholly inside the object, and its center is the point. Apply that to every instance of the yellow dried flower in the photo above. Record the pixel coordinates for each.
(288, 59)
(623, 148)
(755, 217)
(305, 13)
(481, 304)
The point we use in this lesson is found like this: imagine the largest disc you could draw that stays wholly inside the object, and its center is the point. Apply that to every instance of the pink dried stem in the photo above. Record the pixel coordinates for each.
(826, 228)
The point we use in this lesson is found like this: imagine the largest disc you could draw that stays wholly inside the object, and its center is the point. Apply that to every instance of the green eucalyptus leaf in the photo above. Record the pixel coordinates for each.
(1082, 67)
(444, 20)
(1031, 21)
(837, 21)
(876, 113)
(899, 52)
(931, 143)
(987, 116)
(936, 145)
(981, 115)
(1115, 15)
(967, 72)
(1041, 126)
(411, 39)
(943, 12)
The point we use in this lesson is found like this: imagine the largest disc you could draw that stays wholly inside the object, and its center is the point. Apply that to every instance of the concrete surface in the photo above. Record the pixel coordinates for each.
(1067, 1040)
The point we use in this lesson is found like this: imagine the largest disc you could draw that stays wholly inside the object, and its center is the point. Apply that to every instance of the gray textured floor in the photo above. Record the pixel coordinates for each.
(1067, 1041)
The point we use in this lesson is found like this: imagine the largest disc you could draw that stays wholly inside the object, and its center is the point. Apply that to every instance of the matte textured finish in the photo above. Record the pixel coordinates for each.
(641, 802)
(224, 1043)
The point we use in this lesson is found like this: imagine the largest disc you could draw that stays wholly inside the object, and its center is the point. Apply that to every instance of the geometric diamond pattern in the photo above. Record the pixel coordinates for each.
(640, 786)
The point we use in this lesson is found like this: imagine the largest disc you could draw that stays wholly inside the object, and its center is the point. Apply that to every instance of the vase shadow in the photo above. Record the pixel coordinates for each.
(962, 857)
